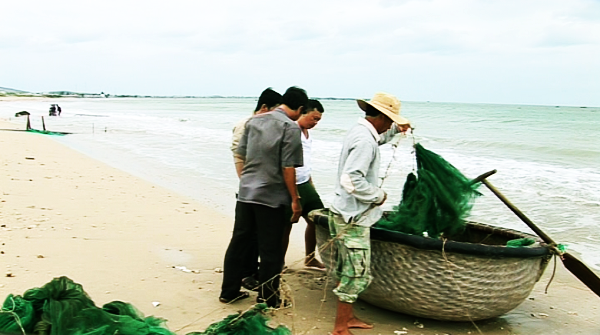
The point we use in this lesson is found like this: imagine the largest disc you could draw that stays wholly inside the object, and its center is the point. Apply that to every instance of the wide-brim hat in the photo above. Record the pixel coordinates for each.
(385, 103)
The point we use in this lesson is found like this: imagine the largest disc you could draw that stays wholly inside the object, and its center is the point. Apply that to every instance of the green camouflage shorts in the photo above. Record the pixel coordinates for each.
(353, 257)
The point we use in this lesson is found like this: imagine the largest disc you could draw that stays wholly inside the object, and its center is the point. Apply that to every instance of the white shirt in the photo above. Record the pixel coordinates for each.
(303, 172)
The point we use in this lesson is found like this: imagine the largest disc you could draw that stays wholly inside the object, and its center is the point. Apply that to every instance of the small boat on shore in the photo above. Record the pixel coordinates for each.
(471, 277)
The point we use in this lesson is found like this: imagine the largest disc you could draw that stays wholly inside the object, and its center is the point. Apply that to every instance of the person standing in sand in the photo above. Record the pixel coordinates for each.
(268, 101)
(357, 200)
(271, 149)
(309, 198)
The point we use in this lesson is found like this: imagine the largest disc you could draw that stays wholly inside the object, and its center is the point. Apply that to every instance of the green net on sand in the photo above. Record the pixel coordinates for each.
(251, 322)
(435, 201)
(61, 307)
(46, 132)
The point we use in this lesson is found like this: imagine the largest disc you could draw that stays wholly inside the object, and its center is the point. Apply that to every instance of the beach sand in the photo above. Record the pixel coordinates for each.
(123, 238)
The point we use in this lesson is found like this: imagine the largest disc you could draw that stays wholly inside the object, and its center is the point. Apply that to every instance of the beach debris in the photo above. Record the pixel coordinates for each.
(185, 269)
(218, 270)
(572, 313)
(418, 324)
(400, 332)
(10, 274)
(155, 303)
(539, 315)
(40, 256)
(30, 158)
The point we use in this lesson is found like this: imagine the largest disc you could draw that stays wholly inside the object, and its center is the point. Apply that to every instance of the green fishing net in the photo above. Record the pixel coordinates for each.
(61, 307)
(434, 201)
(251, 322)
(520, 242)
(46, 132)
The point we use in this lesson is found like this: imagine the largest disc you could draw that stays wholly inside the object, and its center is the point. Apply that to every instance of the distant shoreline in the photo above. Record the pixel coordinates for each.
(4, 96)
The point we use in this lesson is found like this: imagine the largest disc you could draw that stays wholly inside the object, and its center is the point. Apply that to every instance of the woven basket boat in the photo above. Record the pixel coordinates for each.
(472, 278)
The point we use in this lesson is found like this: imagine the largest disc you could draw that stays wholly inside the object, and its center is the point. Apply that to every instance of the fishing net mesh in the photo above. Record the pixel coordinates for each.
(250, 322)
(434, 201)
(61, 307)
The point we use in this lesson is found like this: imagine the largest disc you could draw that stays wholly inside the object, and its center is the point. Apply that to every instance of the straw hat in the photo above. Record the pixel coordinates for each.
(387, 104)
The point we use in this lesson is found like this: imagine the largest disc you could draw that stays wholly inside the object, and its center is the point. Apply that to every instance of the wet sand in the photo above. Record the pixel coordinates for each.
(123, 238)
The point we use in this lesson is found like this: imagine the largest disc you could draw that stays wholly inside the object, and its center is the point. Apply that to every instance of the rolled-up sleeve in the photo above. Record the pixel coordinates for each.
(388, 135)
(353, 178)
(241, 148)
(291, 147)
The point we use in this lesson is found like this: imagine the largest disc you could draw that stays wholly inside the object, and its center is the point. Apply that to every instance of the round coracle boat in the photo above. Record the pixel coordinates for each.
(472, 277)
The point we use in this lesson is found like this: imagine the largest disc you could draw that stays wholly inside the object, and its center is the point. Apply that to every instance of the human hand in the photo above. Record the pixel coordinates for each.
(296, 210)
(403, 128)
(382, 201)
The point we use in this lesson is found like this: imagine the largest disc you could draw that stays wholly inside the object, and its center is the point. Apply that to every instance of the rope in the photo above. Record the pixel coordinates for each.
(286, 292)
(556, 252)
(15, 315)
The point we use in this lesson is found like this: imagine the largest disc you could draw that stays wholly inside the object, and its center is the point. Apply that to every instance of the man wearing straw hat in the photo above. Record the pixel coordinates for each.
(357, 200)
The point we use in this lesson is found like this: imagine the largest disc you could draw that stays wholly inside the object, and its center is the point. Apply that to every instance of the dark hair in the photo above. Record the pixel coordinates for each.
(372, 111)
(313, 104)
(294, 98)
(268, 97)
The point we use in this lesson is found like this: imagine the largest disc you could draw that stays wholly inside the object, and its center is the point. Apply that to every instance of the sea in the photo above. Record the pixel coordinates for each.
(547, 157)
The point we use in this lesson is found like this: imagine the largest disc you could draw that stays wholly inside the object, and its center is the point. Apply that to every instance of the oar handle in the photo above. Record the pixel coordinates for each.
(517, 212)
(483, 176)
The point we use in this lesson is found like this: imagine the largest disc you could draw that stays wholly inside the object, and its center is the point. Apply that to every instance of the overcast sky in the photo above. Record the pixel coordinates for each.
(533, 52)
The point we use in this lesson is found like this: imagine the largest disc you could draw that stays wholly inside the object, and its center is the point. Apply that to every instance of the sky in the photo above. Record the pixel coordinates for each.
(544, 52)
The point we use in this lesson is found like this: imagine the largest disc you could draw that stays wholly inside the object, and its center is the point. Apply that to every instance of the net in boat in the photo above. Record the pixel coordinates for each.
(435, 201)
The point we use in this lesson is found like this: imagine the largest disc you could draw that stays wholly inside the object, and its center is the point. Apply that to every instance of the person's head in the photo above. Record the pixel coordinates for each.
(268, 100)
(382, 111)
(295, 99)
(314, 112)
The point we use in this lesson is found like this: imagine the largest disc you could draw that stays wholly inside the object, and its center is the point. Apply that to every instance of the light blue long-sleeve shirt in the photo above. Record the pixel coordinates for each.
(356, 190)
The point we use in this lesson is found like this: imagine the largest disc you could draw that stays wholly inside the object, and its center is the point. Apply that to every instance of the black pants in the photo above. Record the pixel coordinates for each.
(255, 224)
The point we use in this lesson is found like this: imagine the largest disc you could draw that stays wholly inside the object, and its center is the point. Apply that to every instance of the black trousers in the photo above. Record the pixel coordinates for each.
(262, 225)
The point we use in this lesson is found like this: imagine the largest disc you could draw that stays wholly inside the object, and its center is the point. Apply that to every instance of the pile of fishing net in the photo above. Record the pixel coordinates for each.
(435, 201)
(251, 322)
(61, 307)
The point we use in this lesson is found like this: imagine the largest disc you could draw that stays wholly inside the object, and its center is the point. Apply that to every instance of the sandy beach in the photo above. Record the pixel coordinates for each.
(123, 238)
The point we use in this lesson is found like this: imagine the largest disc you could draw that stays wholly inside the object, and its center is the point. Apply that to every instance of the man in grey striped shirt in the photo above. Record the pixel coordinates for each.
(357, 200)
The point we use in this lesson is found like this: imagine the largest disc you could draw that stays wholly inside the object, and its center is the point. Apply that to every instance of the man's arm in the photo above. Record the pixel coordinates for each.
(239, 161)
(353, 178)
(289, 176)
(394, 129)
(239, 155)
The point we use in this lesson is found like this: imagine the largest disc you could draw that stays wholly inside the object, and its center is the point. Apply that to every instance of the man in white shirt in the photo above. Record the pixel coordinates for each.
(357, 200)
(309, 198)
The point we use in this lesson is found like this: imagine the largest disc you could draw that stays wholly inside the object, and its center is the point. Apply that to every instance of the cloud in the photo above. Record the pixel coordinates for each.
(338, 48)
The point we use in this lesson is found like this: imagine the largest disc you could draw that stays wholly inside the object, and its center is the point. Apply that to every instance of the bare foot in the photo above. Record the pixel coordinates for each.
(313, 263)
(356, 323)
(341, 332)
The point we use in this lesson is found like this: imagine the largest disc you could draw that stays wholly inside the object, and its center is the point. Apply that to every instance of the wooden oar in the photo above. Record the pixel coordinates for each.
(482, 177)
(580, 270)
